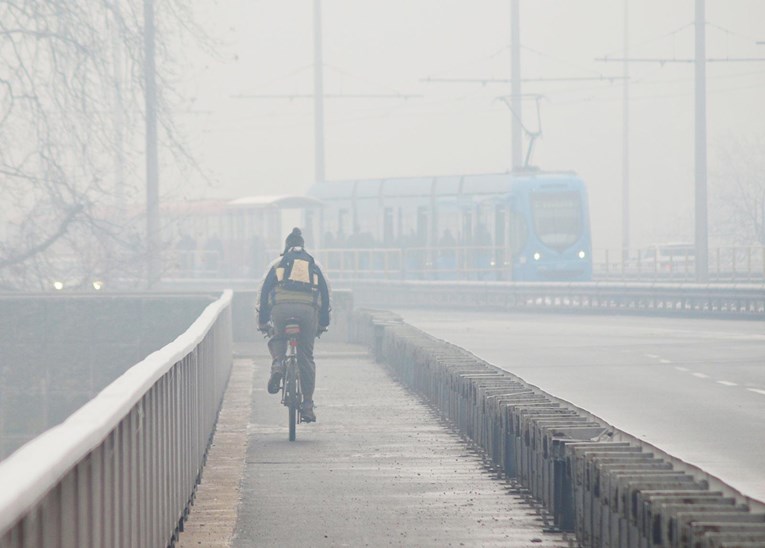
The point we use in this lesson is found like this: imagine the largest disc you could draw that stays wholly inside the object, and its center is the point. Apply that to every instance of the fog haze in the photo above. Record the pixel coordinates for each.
(255, 145)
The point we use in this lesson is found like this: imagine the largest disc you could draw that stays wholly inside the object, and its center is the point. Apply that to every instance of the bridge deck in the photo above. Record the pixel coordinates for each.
(378, 468)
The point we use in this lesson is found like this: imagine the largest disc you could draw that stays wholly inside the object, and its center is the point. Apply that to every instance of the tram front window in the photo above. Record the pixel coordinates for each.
(557, 218)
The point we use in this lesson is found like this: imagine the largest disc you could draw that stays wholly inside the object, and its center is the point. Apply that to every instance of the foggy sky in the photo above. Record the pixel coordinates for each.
(262, 146)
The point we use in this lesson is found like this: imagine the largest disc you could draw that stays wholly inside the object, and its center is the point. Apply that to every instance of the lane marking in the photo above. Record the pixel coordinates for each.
(757, 391)
(701, 375)
(654, 356)
(665, 361)
(683, 369)
(727, 383)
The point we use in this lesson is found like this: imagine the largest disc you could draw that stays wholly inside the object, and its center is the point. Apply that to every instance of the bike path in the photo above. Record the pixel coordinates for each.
(378, 469)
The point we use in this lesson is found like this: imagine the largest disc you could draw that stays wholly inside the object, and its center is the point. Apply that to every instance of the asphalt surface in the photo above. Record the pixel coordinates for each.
(378, 469)
(694, 388)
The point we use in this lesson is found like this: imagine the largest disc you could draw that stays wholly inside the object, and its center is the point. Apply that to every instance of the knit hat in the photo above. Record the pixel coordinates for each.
(294, 239)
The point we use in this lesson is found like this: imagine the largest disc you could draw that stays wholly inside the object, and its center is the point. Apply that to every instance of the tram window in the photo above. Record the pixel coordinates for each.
(499, 226)
(422, 225)
(388, 226)
(467, 226)
(342, 222)
(450, 221)
(557, 218)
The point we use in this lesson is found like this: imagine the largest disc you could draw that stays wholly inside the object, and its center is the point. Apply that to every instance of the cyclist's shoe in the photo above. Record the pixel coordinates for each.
(306, 412)
(275, 382)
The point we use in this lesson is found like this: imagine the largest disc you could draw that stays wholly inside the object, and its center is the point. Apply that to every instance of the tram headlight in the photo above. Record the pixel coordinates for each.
(98, 285)
(537, 256)
(582, 254)
(58, 286)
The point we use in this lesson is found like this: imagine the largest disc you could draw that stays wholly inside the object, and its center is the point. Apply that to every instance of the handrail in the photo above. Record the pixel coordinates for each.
(146, 408)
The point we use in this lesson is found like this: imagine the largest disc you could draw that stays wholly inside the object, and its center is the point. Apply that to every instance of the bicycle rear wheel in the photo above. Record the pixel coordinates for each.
(292, 399)
(293, 422)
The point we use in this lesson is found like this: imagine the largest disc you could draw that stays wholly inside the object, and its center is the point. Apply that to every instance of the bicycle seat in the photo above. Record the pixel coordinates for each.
(292, 328)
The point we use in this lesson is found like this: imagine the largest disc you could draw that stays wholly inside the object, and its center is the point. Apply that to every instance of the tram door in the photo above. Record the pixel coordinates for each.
(500, 228)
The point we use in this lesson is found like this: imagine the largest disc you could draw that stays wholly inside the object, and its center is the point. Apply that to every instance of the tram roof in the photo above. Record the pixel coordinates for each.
(278, 202)
(442, 186)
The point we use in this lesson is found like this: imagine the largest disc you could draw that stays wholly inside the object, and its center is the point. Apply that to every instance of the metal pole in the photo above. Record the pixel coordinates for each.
(516, 97)
(152, 165)
(702, 244)
(119, 117)
(318, 94)
(626, 140)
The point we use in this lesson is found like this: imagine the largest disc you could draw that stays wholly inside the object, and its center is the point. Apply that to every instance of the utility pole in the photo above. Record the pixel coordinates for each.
(626, 137)
(153, 261)
(516, 97)
(516, 81)
(700, 61)
(702, 231)
(318, 94)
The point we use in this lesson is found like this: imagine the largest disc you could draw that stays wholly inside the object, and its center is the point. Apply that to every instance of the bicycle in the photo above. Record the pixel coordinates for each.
(292, 396)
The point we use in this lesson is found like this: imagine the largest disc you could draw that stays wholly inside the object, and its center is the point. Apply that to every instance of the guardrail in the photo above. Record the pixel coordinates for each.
(714, 300)
(121, 471)
(676, 263)
(607, 487)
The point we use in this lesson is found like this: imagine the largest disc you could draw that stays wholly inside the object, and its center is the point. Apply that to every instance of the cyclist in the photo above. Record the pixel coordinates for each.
(294, 288)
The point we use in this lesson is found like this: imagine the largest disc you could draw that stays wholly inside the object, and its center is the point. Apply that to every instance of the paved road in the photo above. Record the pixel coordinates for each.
(694, 388)
(378, 469)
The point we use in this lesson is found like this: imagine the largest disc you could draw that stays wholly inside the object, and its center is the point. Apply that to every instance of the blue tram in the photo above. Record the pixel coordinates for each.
(529, 226)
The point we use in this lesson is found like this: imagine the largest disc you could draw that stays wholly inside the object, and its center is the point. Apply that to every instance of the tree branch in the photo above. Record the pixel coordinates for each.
(45, 244)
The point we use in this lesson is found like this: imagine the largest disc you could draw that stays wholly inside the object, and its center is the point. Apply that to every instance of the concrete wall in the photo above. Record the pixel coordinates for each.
(58, 351)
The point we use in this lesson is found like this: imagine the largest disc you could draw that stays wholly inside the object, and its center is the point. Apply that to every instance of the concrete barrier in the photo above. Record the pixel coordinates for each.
(607, 487)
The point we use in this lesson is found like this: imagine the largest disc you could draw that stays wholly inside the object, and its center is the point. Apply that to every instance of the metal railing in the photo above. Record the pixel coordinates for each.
(121, 471)
(716, 300)
(726, 264)
(471, 262)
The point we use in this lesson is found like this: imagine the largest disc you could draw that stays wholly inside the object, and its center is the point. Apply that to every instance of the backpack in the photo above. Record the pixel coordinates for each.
(297, 272)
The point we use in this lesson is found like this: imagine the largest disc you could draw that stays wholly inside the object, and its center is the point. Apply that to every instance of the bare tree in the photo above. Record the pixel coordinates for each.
(738, 196)
(71, 119)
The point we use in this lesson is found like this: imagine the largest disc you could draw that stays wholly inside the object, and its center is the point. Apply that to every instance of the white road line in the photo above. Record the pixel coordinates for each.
(701, 375)
(665, 361)
(727, 383)
(683, 369)
(757, 391)
(654, 356)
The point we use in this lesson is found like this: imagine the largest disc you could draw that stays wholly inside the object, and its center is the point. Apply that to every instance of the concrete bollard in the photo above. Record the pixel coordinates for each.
(607, 487)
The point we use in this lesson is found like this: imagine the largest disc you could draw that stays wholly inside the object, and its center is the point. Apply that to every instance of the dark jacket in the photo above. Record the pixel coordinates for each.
(274, 290)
